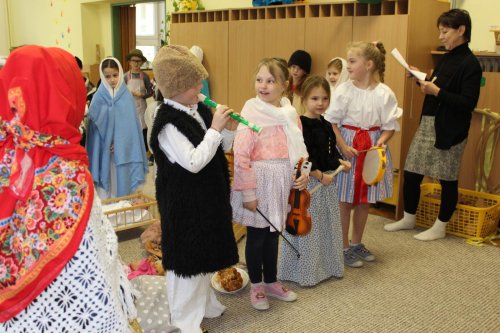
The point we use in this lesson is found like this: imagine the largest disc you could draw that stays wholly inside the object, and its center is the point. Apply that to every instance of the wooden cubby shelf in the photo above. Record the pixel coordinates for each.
(361, 9)
(388, 7)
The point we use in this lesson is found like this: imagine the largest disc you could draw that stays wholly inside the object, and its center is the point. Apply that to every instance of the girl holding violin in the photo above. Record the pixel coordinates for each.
(321, 249)
(263, 177)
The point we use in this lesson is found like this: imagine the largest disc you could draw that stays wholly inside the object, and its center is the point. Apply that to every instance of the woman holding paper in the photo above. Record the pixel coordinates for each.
(451, 93)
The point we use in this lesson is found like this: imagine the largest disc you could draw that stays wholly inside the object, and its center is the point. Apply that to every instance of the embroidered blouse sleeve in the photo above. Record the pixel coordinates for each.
(180, 150)
(244, 175)
(390, 112)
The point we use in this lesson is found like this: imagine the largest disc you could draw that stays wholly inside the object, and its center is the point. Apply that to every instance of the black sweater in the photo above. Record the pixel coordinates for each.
(458, 74)
(321, 144)
(196, 215)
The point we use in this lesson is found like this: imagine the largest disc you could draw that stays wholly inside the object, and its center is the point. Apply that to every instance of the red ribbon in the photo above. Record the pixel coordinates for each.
(361, 141)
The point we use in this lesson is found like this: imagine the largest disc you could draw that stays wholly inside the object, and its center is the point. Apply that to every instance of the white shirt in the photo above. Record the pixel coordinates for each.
(179, 149)
(364, 108)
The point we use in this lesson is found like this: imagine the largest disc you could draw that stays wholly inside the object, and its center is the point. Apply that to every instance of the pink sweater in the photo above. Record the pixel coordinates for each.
(249, 146)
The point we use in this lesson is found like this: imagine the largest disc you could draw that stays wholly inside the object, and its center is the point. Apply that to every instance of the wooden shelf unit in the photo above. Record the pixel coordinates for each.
(235, 40)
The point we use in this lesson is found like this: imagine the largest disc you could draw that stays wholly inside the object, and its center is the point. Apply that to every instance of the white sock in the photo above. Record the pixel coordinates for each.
(254, 285)
(407, 222)
(437, 231)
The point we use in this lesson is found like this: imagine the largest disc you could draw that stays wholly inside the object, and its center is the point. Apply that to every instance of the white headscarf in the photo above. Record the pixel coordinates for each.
(344, 75)
(197, 51)
(112, 92)
(267, 115)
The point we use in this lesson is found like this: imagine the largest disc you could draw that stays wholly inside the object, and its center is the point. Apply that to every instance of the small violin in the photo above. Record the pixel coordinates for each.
(298, 221)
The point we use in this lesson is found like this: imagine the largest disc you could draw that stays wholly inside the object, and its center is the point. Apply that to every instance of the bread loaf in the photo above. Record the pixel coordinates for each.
(230, 279)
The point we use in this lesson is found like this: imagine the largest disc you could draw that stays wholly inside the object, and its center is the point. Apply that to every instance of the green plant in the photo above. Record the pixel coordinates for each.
(178, 5)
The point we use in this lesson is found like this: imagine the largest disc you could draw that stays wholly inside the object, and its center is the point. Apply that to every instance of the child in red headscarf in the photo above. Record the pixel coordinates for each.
(59, 258)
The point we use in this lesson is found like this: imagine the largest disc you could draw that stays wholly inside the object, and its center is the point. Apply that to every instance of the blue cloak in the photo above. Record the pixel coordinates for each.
(113, 120)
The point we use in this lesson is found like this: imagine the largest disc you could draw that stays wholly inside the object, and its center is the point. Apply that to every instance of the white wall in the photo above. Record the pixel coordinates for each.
(46, 23)
(484, 13)
(4, 29)
(96, 30)
(223, 4)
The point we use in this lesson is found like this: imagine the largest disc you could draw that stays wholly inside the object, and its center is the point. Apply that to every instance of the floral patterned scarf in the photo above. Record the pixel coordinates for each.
(46, 191)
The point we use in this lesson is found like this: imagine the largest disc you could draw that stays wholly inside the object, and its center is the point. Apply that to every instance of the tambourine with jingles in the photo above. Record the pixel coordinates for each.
(374, 165)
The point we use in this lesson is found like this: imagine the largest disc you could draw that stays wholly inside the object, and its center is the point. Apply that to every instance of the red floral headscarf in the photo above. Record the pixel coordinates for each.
(46, 190)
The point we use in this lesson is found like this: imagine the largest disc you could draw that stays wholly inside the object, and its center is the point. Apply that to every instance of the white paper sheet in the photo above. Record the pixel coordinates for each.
(419, 75)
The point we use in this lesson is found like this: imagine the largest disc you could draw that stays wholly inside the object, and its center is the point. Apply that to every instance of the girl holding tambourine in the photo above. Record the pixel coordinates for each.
(364, 114)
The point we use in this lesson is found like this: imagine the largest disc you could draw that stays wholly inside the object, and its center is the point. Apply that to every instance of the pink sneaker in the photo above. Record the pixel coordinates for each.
(279, 291)
(258, 297)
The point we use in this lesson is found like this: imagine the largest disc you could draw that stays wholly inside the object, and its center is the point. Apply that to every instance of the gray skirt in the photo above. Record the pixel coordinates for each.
(425, 159)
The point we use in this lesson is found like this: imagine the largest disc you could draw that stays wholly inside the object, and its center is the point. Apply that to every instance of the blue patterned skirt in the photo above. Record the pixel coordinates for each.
(345, 181)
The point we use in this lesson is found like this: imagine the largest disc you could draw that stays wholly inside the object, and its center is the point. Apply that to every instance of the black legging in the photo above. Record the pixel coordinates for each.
(261, 253)
(145, 137)
(411, 194)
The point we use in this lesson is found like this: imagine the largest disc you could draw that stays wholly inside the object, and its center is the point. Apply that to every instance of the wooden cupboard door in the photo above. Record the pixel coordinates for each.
(327, 38)
(247, 49)
(391, 30)
(212, 37)
(184, 33)
(283, 37)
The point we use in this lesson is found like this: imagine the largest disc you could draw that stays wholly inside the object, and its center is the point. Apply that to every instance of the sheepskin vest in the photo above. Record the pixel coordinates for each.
(196, 215)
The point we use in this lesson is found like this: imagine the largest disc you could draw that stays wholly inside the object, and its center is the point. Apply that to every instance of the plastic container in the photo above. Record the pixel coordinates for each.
(476, 215)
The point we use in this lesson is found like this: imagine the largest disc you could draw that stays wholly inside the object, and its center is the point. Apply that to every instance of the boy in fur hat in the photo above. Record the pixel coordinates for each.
(141, 88)
(192, 188)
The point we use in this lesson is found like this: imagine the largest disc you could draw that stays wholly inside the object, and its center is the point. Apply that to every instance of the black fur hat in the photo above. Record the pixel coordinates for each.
(302, 59)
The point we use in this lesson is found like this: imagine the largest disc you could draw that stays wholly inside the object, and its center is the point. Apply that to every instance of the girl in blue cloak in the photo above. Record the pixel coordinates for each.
(115, 146)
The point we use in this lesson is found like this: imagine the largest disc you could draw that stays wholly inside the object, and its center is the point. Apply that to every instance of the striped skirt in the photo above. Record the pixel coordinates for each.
(425, 159)
(345, 181)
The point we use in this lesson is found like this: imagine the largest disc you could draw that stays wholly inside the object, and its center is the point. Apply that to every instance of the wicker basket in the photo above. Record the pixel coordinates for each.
(476, 215)
(141, 210)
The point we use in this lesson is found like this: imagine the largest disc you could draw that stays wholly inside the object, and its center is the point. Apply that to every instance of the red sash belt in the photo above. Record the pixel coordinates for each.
(361, 141)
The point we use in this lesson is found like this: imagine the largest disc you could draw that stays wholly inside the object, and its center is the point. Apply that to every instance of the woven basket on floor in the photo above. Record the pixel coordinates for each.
(476, 215)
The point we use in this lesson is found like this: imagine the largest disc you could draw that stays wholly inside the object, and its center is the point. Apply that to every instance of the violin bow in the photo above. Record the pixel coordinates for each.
(279, 233)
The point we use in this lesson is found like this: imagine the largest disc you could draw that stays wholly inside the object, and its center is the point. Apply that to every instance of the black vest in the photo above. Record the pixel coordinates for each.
(196, 214)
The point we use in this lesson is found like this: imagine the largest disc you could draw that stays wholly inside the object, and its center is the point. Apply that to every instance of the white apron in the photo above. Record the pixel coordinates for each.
(137, 84)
